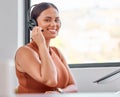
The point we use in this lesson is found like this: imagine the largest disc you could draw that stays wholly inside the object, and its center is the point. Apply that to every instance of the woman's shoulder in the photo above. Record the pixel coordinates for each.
(22, 53)
(56, 50)
(23, 50)
(26, 47)
(60, 54)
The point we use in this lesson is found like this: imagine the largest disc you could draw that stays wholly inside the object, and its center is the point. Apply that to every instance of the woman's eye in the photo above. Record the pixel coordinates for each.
(47, 20)
(57, 20)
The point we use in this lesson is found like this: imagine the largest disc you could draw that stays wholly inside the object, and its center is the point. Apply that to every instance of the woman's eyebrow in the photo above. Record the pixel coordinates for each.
(50, 17)
(47, 17)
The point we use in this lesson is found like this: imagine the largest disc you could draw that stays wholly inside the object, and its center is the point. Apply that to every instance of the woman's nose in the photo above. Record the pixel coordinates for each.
(53, 23)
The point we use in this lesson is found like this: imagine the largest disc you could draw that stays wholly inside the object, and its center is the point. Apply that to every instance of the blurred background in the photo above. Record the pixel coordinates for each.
(90, 33)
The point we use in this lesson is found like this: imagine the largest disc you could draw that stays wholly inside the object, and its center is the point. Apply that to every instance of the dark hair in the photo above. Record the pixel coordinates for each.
(36, 11)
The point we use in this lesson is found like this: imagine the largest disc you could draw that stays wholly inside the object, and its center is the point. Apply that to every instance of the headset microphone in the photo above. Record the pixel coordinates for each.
(31, 22)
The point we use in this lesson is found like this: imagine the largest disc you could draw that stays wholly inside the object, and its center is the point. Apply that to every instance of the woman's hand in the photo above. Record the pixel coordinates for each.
(51, 92)
(37, 35)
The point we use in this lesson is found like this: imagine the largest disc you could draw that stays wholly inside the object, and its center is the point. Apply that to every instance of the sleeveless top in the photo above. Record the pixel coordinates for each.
(29, 85)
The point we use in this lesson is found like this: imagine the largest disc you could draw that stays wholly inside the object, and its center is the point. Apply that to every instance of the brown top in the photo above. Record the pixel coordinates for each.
(28, 85)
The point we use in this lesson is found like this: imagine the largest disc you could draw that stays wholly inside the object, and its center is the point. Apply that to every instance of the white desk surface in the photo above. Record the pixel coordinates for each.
(65, 95)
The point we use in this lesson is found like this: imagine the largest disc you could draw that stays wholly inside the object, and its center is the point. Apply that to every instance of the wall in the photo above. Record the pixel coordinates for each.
(8, 28)
(11, 12)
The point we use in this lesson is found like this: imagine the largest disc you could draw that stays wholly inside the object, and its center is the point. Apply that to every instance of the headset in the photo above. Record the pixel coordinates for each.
(31, 22)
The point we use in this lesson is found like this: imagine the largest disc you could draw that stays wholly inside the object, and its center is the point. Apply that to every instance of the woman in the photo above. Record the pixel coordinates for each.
(41, 68)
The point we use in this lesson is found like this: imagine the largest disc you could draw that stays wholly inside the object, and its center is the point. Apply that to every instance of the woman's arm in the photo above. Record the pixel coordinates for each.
(72, 87)
(39, 66)
(40, 69)
(68, 89)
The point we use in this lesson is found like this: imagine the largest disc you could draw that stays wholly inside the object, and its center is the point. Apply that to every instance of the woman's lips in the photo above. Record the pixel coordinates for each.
(52, 31)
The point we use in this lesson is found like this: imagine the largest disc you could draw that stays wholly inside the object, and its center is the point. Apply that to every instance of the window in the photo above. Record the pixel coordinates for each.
(90, 31)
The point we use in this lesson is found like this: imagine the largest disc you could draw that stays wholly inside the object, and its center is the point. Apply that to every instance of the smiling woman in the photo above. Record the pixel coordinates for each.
(89, 31)
(40, 67)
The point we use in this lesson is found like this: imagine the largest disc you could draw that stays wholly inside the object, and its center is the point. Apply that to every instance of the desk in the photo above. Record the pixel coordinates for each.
(65, 95)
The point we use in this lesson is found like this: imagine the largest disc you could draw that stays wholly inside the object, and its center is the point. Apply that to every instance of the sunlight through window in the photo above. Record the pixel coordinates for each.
(90, 31)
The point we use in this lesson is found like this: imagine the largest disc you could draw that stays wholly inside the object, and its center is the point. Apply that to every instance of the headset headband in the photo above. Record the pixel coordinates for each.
(29, 12)
(31, 22)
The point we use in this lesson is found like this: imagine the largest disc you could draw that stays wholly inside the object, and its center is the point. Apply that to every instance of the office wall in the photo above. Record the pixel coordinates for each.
(11, 37)
(11, 28)
(8, 29)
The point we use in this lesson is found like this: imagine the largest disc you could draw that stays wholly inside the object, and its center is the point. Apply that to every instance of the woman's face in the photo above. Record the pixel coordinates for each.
(49, 21)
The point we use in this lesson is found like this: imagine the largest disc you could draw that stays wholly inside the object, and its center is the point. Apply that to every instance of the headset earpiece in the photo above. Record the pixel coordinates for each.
(30, 22)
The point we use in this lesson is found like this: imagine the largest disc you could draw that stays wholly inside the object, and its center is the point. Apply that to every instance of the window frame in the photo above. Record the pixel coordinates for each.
(27, 32)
